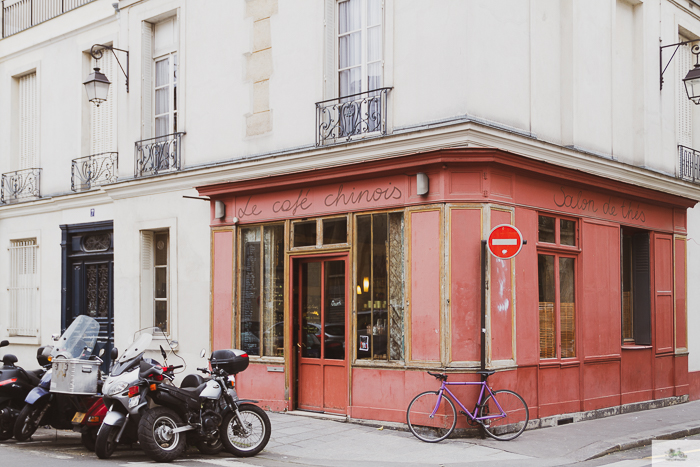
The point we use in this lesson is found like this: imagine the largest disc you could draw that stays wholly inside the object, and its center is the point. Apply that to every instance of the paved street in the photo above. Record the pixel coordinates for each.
(302, 440)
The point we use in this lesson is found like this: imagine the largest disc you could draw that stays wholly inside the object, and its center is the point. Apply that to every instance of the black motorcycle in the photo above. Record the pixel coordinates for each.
(15, 384)
(208, 413)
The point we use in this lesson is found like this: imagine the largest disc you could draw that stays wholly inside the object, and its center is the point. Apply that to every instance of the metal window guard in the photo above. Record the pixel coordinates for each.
(351, 117)
(158, 155)
(689, 164)
(23, 14)
(20, 185)
(94, 170)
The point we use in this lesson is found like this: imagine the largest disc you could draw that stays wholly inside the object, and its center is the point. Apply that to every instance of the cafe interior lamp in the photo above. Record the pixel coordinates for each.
(97, 87)
(359, 290)
(365, 284)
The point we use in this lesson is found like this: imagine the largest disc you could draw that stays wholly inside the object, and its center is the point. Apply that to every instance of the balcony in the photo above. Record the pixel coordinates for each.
(156, 156)
(353, 117)
(21, 185)
(90, 171)
(18, 15)
(689, 166)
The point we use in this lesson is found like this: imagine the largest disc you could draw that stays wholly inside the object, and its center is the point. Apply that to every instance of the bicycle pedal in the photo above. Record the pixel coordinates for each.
(463, 413)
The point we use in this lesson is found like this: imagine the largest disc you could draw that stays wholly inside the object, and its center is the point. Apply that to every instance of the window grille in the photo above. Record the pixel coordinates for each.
(24, 288)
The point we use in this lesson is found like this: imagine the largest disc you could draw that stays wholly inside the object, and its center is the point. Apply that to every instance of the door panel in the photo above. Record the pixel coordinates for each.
(322, 383)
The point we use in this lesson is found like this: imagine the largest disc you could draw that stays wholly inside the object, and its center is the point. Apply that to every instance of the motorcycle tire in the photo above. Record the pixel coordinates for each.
(88, 436)
(7, 423)
(249, 439)
(28, 420)
(155, 437)
(106, 444)
(210, 447)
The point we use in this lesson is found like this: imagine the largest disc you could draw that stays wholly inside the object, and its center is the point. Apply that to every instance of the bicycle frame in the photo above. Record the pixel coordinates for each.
(484, 388)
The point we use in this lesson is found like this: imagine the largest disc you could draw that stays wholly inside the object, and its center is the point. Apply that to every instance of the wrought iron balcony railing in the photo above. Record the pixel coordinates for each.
(20, 185)
(18, 15)
(351, 117)
(689, 164)
(90, 171)
(159, 155)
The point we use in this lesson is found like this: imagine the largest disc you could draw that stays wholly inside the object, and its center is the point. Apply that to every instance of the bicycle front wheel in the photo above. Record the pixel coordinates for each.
(509, 424)
(427, 427)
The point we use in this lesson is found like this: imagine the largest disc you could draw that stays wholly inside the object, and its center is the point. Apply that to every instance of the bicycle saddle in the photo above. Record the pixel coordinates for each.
(440, 376)
(486, 372)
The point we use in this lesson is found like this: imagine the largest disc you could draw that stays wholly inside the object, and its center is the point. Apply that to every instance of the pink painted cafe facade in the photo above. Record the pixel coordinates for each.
(346, 284)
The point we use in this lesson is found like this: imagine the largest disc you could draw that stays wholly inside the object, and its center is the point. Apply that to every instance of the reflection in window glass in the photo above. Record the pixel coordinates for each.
(334, 310)
(311, 310)
(379, 290)
(335, 231)
(160, 291)
(305, 234)
(545, 273)
(273, 290)
(250, 290)
(567, 232)
(567, 307)
(546, 230)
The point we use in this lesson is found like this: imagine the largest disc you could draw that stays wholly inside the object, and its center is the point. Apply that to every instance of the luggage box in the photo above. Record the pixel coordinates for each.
(75, 376)
(232, 361)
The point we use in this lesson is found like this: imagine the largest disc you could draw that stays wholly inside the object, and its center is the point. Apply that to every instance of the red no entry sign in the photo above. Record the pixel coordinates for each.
(505, 241)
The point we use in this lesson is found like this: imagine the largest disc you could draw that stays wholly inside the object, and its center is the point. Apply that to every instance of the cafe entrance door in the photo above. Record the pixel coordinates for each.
(321, 308)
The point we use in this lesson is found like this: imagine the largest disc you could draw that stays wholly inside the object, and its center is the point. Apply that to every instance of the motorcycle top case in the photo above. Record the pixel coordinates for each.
(75, 376)
(232, 361)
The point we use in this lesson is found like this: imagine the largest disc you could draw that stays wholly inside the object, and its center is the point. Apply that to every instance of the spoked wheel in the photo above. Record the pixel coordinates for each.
(249, 435)
(28, 420)
(106, 443)
(156, 435)
(510, 426)
(210, 447)
(426, 426)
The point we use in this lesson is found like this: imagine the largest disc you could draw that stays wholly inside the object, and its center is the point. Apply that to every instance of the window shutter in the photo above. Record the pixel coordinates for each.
(27, 121)
(146, 80)
(102, 117)
(641, 289)
(684, 120)
(330, 67)
(146, 285)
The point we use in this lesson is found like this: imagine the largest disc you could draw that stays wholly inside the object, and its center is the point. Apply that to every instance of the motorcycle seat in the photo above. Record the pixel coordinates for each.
(35, 376)
(194, 392)
(191, 381)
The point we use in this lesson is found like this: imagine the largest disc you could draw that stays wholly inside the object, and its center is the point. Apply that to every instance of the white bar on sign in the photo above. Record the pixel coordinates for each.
(504, 241)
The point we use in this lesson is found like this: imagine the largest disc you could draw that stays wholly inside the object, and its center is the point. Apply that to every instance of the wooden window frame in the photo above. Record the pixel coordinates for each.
(319, 234)
(640, 295)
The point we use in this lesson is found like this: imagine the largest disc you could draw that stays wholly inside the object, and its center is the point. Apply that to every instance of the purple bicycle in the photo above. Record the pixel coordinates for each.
(432, 417)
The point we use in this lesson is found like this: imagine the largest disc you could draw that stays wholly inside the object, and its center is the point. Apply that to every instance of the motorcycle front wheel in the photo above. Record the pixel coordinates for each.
(248, 435)
(156, 435)
(105, 444)
(28, 420)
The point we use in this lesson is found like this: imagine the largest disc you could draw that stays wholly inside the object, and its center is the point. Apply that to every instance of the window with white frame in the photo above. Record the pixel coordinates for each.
(24, 288)
(360, 46)
(155, 279)
(165, 64)
(28, 121)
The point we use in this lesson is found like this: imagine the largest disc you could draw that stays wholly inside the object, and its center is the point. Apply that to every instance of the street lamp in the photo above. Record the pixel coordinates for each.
(97, 84)
(97, 87)
(692, 79)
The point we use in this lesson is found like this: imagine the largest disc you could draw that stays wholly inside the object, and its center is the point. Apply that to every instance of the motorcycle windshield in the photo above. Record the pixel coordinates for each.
(78, 341)
(141, 341)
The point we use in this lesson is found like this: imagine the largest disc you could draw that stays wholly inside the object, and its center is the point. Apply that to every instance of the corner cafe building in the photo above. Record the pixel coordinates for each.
(344, 285)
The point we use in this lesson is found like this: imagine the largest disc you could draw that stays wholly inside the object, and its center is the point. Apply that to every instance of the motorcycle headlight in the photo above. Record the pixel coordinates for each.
(119, 387)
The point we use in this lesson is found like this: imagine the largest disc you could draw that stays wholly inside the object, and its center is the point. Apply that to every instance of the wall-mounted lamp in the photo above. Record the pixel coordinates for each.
(97, 84)
(219, 209)
(422, 184)
(692, 79)
(365, 284)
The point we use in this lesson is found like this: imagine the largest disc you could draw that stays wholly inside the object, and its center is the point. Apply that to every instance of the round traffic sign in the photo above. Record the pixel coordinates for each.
(505, 241)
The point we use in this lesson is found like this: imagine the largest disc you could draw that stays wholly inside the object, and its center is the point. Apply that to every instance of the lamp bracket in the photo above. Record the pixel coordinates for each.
(97, 51)
(695, 50)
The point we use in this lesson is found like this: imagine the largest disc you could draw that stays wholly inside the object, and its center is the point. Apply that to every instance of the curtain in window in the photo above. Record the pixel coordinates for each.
(350, 46)
(162, 96)
(374, 44)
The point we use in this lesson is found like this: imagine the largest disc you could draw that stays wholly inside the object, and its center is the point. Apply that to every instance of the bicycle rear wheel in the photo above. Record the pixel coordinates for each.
(516, 416)
(427, 428)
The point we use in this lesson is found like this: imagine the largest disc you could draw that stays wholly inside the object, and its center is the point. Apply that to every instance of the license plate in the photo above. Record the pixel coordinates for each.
(133, 402)
(78, 417)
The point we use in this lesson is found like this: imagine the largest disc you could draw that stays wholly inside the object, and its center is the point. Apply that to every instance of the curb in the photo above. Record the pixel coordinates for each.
(624, 446)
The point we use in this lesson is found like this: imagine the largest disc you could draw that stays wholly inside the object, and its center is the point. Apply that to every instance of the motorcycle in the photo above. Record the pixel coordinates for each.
(15, 384)
(204, 414)
(69, 388)
(120, 422)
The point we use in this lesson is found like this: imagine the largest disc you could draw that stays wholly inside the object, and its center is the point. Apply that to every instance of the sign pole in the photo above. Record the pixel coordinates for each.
(484, 257)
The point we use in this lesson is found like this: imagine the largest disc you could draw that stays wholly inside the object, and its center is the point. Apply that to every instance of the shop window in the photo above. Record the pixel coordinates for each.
(262, 290)
(335, 230)
(379, 286)
(556, 271)
(636, 288)
(320, 233)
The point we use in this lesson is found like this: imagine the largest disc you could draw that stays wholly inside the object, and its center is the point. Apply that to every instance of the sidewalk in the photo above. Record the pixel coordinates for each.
(311, 441)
